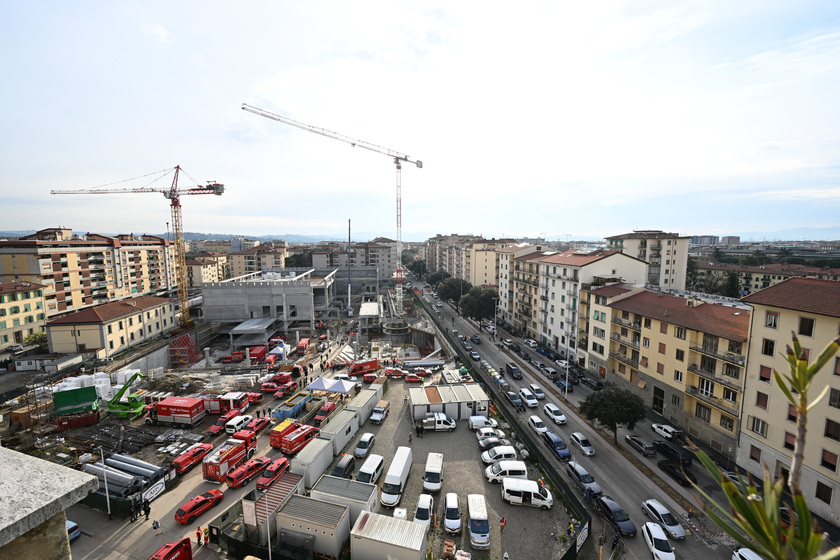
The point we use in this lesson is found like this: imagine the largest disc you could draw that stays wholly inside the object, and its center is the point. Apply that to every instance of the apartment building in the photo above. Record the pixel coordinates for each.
(665, 253)
(200, 271)
(685, 356)
(506, 256)
(221, 262)
(257, 259)
(810, 308)
(757, 277)
(366, 254)
(111, 328)
(22, 311)
(82, 271)
(546, 291)
(445, 253)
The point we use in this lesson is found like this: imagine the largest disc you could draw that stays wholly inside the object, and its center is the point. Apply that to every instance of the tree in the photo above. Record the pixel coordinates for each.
(437, 277)
(454, 289)
(479, 303)
(417, 267)
(614, 407)
(299, 260)
(732, 285)
(691, 272)
(38, 338)
(754, 521)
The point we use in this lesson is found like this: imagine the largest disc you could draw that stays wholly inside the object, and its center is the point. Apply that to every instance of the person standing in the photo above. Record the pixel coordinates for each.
(147, 509)
(409, 438)
(133, 513)
(156, 526)
(198, 536)
(615, 540)
(502, 523)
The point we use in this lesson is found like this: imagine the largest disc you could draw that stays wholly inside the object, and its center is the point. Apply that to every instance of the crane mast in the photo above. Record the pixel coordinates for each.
(173, 193)
(398, 159)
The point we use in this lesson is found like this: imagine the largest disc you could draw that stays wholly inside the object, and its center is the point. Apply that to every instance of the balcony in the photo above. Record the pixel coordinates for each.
(628, 324)
(725, 381)
(722, 404)
(730, 357)
(625, 360)
(626, 341)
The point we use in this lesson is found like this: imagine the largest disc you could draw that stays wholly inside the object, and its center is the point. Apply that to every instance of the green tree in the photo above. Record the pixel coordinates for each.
(454, 289)
(38, 338)
(479, 303)
(613, 408)
(753, 520)
(691, 272)
(732, 285)
(436, 278)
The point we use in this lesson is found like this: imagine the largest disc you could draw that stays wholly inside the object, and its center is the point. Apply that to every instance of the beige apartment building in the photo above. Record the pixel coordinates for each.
(665, 253)
(685, 356)
(754, 278)
(22, 312)
(810, 308)
(371, 253)
(200, 271)
(111, 328)
(256, 259)
(506, 284)
(81, 271)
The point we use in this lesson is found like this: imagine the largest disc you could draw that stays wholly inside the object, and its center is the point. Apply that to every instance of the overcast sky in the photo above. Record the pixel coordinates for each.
(564, 119)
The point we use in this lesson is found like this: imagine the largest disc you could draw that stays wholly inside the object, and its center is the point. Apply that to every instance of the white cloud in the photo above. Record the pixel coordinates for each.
(159, 33)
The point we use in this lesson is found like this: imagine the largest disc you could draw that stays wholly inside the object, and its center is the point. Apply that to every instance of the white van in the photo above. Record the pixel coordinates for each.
(513, 469)
(517, 491)
(500, 453)
(395, 479)
(479, 522)
(371, 469)
(478, 422)
(433, 477)
(237, 423)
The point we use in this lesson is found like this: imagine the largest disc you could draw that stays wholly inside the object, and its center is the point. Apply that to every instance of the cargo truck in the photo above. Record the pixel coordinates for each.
(302, 346)
(438, 421)
(221, 404)
(229, 455)
(380, 412)
(363, 366)
(233, 358)
(175, 411)
(285, 427)
(257, 354)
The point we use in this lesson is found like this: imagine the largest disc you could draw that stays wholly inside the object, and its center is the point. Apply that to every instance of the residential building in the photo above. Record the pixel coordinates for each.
(382, 255)
(200, 271)
(506, 257)
(111, 328)
(216, 246)
(257, 259)
(481, 264)
(685, 356)
(705, 240)
(82, 271)
(757, 277)
(665, 253)
(809, 308)
(730, 240)
(239, 244)
(221, 261)
(22, 311)
(445, 253)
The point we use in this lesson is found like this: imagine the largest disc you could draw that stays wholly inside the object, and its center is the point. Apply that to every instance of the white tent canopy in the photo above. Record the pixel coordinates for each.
(331, 385)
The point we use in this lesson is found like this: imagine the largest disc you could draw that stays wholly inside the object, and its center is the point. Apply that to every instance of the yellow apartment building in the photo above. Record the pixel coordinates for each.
(22, 312)
(810, 308)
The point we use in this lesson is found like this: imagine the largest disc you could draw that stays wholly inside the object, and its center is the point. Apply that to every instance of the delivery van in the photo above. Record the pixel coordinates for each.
(479, 522)
(371, 469)
(237, 423)
(433, 477)
(478, 422)
(517, 491)
(396, 478)
(513, 469)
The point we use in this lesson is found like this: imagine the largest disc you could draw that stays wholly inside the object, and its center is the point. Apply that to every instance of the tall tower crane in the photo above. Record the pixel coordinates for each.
(173, 193)
(398, 159)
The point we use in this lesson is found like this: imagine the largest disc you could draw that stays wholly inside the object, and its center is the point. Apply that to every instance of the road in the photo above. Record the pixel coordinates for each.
(618, 478)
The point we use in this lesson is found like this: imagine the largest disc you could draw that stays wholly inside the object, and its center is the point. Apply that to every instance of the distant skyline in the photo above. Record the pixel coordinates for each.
(548, 120)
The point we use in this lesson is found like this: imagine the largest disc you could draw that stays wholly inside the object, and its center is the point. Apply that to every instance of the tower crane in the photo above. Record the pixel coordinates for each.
(398, 159)
(173, 193)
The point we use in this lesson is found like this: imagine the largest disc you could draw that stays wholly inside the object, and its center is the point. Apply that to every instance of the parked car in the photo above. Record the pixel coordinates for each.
(187, 513)
(657, 542)
(412, 378)
(425, 507)
(659, 513)
(73, 531)
(514, 399)
(680, 455)
(565, 387)
(488, 443)
(554, 413)
(272, 473)
(592, 383)
(582, 479)
(489, 432)
(475, 339)
(365, 445)
(474, 356)
(258, 424)
(640, 445)
(668, 432)
(583, 443)
(451, 514)
(746, 554)
(244, 473)
(537, 424)
(557, 445)
(531, 343)
(616, 516)
(683, 476)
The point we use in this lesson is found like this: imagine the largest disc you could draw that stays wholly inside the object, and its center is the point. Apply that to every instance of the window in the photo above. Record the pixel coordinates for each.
(764, 373)
(643, 361)
(790, 441)
(730, 395)
(600, 333)
(834, 398)
(792, 414)
(771, 320)
(823, 492)
(122, 341)
(706, 387)
(660, 368)
(111, 344)
(675, 400)
(622, 368)
(727, 422)
(679, 332)
(663, 328)
(599, 348)
(730, 370)
(829, 460)
(120, 325)
(806, 326)
(768, 347)
(832, 430)
(661, 347)
(678, 376)
(758, 426)
(836, 366)
(680, 355)
(703, 412)
(761, 400)
(646, 342)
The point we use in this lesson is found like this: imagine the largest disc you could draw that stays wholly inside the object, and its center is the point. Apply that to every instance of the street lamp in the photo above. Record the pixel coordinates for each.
(105, 478)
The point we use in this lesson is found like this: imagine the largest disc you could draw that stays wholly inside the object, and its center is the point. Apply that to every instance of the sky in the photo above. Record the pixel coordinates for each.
(555, 119)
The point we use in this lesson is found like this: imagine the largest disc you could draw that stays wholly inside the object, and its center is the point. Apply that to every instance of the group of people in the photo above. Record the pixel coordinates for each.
(136, 509)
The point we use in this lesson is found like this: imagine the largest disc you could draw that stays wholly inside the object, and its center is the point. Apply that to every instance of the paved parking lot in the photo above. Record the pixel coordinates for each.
(527, 530)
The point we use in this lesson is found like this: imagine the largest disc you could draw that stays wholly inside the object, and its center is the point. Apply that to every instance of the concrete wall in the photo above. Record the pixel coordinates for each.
(47, 541)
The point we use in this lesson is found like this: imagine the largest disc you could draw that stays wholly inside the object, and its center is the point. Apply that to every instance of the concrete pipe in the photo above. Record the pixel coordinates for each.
(120, 478)
(142, 464)
(133, 469)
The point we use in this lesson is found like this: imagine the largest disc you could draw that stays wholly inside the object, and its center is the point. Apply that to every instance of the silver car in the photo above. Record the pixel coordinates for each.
(660, 514)
(583, 443)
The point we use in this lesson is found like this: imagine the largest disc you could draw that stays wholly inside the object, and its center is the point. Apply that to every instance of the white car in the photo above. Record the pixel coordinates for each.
(657, 542)
(583, 443)
(537, 424)
(528, 398)
(564, 365)
(746, 554)
(489, 432)
(423, 513)
(660, 514)
(451, 514)
(668, 432)
(554, 412)
(537, 390)
(365, 444)
(531, 343)
(345, 377)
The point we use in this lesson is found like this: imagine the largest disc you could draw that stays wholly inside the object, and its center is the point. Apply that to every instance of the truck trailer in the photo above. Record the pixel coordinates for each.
(175, 411)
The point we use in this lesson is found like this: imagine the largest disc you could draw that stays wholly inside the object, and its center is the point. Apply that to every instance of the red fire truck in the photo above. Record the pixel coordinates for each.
(362, 367)
(297, 440)
(229, 455)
